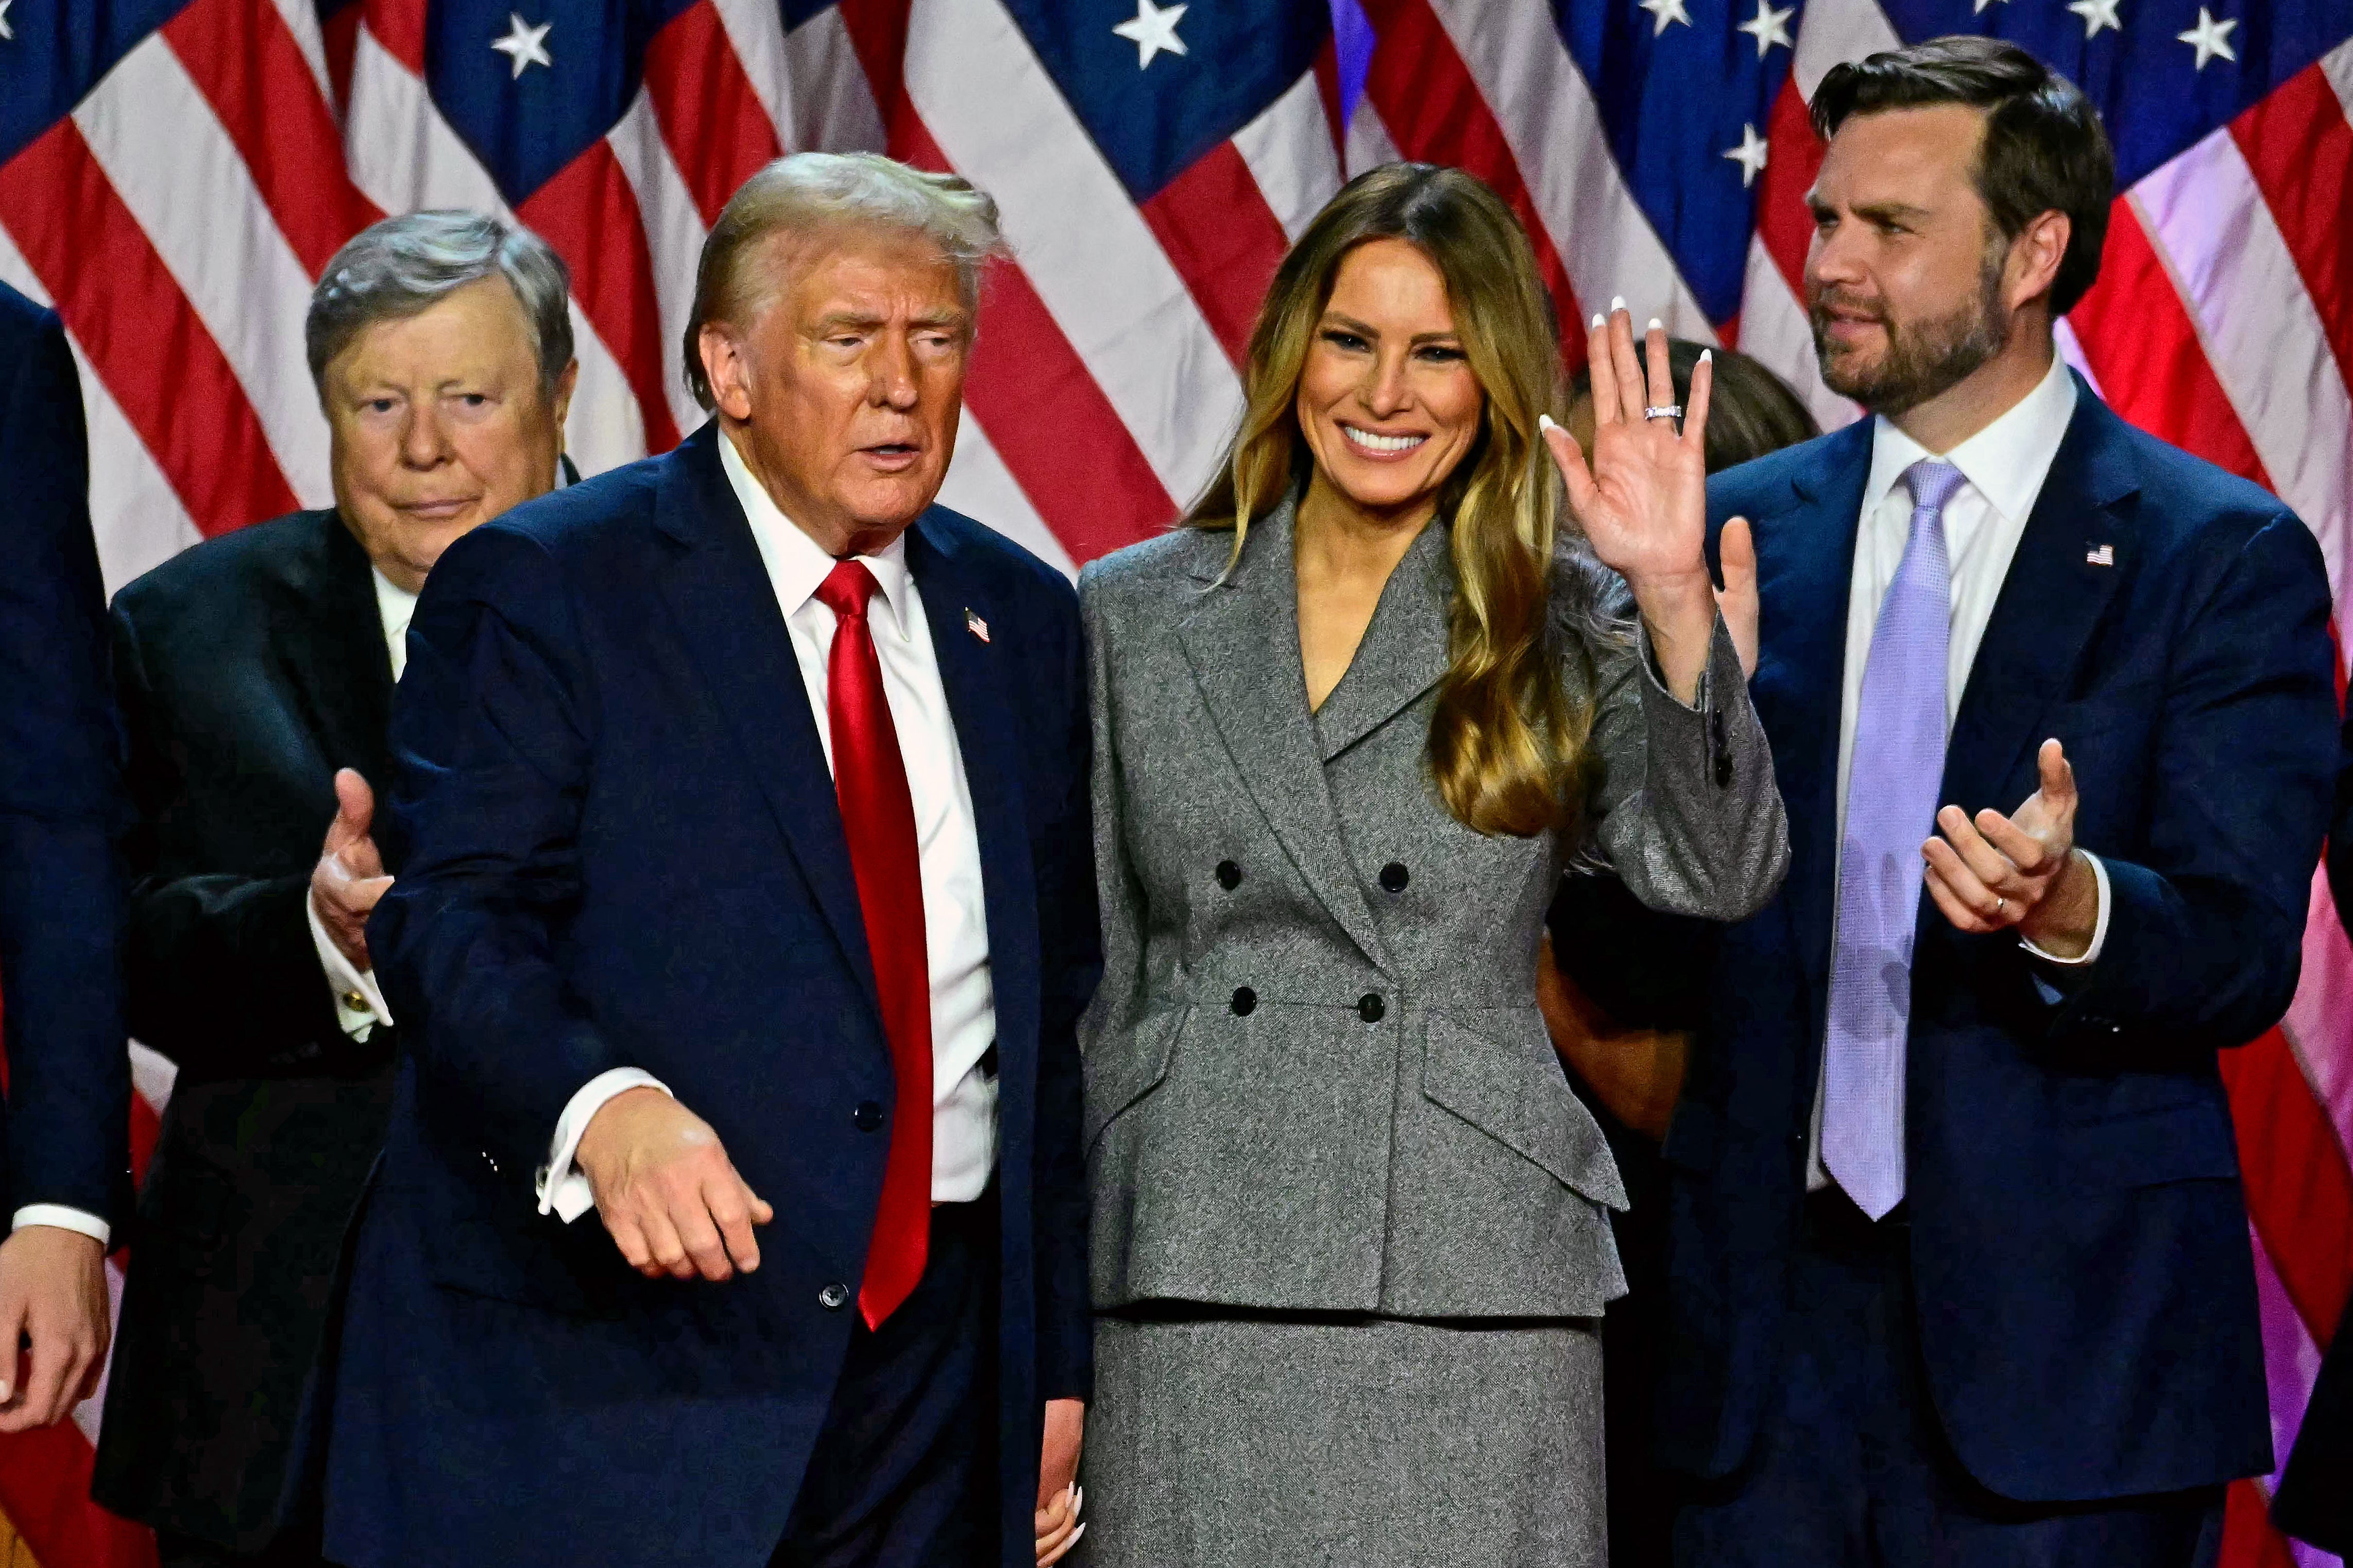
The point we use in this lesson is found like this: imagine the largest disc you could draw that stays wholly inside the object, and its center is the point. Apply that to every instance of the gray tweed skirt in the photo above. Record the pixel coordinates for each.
(1309, 1441)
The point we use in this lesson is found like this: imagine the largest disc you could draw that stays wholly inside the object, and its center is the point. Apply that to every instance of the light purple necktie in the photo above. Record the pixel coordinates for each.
(1890, 808)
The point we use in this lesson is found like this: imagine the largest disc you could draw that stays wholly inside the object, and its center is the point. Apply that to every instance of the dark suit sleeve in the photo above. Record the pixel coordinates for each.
(2205, 935)
(222, 976)
(1070, 964)
(60, 892)
(2340, 830)
(493, 740)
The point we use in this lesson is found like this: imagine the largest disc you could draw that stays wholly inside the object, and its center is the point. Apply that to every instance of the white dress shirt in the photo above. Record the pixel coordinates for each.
(955, 924)
(2003, 467)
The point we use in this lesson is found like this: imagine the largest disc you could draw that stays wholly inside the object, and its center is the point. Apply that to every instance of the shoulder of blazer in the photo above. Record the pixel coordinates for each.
(1791, 477)
(211, 586)
(984, 555)
(21, 320)
(1183, 560)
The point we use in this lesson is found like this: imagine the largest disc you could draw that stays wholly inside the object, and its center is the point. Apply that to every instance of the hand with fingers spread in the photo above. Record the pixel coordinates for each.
(1643, 504)
(1059, 1497)
(668, 1196)
(349, 878)
(53, 1325)
(2022, 870)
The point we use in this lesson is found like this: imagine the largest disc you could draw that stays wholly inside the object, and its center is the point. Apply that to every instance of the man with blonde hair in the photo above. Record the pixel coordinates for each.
(747, 900)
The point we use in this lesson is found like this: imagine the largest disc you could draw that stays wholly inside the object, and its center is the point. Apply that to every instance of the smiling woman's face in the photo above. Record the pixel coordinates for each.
(438, 422)
(1387, 400)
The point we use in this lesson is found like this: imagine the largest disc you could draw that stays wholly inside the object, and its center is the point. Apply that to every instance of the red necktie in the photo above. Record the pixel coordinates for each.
(878, 815)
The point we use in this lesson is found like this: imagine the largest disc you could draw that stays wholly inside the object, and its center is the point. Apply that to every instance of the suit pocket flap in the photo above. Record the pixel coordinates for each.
(2186, 1142)
(1513, 1090)
(1125, 1065)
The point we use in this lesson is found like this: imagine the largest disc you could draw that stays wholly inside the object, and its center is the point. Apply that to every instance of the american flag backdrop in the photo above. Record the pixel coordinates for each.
(173, 173)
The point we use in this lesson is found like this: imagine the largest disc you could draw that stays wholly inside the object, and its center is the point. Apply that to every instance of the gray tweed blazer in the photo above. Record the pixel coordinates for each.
(1315, 1074)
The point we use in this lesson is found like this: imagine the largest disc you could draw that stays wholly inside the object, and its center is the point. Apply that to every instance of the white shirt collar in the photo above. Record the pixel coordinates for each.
(795, 562)
(2005, 462)
(394, 606)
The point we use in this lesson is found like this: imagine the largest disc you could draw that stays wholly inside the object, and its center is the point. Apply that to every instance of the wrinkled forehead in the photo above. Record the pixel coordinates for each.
(863, 271)
(1925, 156)
(476, 329)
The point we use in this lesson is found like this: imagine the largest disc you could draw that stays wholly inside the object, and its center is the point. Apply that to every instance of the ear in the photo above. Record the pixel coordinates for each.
(724, 367)
(565, 384)
(2035, 255)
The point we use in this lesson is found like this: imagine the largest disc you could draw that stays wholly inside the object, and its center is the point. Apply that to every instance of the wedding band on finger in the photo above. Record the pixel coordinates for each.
(1663, 411)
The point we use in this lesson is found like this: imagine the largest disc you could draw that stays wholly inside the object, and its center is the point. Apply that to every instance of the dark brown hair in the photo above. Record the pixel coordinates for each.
(1750, 411)
(2044, 149)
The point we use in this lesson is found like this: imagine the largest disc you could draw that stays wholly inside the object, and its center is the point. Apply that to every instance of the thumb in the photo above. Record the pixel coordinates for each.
(1737, 599)
(2058, 775)
(761, 1210)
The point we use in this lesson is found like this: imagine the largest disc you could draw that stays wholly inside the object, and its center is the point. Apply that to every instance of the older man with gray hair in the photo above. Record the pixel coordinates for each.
(255, 674)
(748, 901)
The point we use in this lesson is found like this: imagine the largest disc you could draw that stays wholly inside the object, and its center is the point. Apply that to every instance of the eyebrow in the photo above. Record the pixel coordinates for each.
(839, 321)
(1873, 210)
(1350, 323)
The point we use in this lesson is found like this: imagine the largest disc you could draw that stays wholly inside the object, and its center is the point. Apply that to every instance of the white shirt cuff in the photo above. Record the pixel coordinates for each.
(64, 1218)
(2099, 925)
(358, 1001)
(563, 1191)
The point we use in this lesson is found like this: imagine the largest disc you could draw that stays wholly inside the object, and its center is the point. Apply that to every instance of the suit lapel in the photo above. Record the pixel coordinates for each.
(726, 611)
(331, 645)
(984, 738)
(1243, 643)
(1404, 650)
(1805, 564)
(2051, 598)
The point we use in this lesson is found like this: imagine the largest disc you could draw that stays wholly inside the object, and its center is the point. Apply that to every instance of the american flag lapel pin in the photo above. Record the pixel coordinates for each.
(2097, 555)
(975, 624)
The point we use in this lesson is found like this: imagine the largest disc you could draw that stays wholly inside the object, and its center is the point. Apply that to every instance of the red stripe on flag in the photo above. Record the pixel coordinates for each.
(589, 213)
(245, 63)
(2299, 1188)
(1213, 223)
(1792, 159)
(399, 28)
(2300, 146)
(2139, 339)
(1432, 106)
(713, 121)
(1063, 442)
(44, 1492)
(340, 36)
(2248, 1539)
(143, 337)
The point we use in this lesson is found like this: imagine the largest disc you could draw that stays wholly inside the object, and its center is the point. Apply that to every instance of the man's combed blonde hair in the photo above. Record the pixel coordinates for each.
(805, 193)
(1508, 743)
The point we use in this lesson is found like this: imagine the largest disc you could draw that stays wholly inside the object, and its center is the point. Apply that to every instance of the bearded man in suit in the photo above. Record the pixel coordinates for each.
(255, 673)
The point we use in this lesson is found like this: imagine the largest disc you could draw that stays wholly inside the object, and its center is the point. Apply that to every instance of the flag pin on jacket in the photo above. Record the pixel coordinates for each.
(2098, 556)
(975, 624)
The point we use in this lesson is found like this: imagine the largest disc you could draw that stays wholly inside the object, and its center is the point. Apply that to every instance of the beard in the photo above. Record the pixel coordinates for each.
(1923, 359)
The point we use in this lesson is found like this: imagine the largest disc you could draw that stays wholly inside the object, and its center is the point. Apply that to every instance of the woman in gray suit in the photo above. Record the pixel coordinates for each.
(1350, 1233)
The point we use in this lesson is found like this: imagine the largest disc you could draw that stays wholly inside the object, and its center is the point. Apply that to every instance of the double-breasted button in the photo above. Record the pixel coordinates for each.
(834, 1296)
(867, 1117)
(1230, 876)
(1394, 877)
(1371, 1008)
(1245, 1001)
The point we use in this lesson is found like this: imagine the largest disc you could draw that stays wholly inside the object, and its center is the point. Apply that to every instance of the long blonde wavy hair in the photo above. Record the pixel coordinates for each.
(1508, 744)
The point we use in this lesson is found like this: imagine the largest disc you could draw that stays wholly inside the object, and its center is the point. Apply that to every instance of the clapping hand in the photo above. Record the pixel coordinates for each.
(1643, 504)
(2021, 870)
(1059, 1496)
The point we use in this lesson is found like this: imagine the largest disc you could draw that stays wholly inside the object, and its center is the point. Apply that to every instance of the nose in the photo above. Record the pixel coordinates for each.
(893, 365)
(1385, 394)
(423, 444)
(1834, 258)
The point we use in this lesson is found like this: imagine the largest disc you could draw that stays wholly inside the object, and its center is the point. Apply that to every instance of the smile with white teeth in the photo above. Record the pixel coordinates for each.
(1372, 443)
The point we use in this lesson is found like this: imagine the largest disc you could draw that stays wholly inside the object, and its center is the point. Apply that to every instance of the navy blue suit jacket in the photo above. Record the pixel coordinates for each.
(2086, 1304)
(620, 846)
(64, 1123)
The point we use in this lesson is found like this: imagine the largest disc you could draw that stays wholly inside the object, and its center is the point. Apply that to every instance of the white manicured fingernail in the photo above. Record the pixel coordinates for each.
(1654, 326)
(1080, 1499)
(1076, 1533)
(1597, 319)
(1543, 422)
(1707, 356)
(1617, 302)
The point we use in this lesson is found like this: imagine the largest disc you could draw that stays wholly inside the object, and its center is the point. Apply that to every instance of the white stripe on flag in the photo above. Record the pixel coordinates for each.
(1289, 150)
(1553, 124)
(673, 229)
(2337, 65)
(2216, 235)
(170, 160)
(1369, 142)
(980, 485)
(832, 103)
(1833, 31)
(1076, 235)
